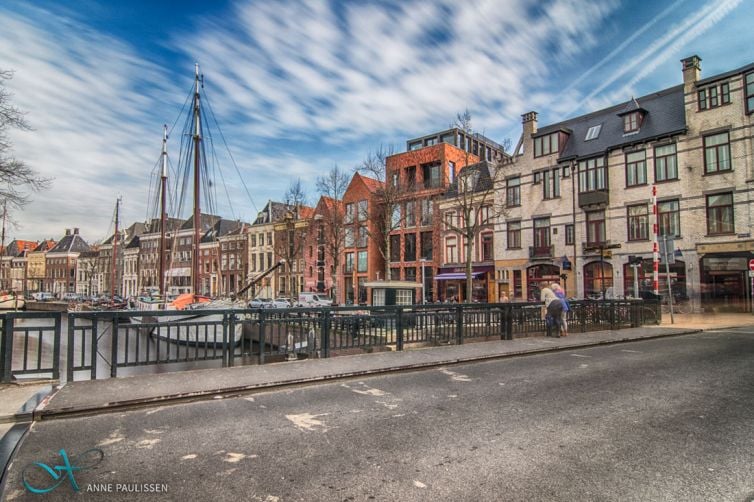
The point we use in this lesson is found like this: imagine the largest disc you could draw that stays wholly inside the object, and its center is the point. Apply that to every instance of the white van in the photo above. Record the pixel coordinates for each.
(42, 296)
(313, 300)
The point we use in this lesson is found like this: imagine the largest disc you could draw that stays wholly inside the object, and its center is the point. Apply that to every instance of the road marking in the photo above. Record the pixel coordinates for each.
(579, 355)
(307, 421)
(190, 456)
(234, 457)
(147, 443)
(632, 351)
(457, 377)
(419, 484)
(583, 366)
(370, 391)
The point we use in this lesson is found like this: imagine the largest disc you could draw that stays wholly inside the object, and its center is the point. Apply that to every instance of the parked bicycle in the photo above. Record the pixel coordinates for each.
(681, 304)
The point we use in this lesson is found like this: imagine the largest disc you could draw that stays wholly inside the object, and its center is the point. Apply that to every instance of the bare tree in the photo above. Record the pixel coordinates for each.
(333, 185)
(295, 195)
(386, 216)
(472, 199)
(15, 176)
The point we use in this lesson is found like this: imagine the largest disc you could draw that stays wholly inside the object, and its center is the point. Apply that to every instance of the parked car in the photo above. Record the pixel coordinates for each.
(281, 303)
(260, 303)
(313, 300)
(71, 297)
(42, 296)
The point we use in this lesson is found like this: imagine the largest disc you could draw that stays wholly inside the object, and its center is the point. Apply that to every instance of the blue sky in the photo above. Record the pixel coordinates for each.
(300, 86)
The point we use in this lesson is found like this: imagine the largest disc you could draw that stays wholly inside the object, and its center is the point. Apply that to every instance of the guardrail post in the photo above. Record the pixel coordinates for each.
(114, 354)
(7, 360)
(399, 328)
(613, 307)
(459, 324)
(228, 327)
(262, 341)
(56, 347)
(326, 333)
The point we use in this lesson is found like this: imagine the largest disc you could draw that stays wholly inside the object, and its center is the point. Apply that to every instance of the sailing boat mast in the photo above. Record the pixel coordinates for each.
(115, 249)
(163, 208)
(195, 272)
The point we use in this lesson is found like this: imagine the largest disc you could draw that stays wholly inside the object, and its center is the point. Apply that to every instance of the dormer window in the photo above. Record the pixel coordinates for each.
(631, 122)
(546, 145)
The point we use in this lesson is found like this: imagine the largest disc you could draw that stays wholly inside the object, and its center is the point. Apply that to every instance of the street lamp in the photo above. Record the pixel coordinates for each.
(423, 262)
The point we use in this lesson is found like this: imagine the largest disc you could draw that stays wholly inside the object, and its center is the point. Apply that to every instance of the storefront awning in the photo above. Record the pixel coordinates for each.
(456, 276)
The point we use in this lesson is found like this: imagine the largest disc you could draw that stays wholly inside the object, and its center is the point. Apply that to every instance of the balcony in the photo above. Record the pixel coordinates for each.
(541, 252)
(596, 198)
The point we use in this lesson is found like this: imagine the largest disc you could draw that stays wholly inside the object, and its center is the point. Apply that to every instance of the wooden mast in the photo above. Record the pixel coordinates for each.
(195, 272)
(163, 209)
(115, 250)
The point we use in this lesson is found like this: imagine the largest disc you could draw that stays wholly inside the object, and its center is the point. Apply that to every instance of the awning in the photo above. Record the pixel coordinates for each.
(456, 276)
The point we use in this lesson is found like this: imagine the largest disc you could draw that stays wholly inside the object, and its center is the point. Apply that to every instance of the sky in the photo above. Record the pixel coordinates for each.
(299, 87)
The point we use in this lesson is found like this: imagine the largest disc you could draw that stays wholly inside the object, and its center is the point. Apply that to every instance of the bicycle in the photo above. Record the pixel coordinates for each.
(681, 305)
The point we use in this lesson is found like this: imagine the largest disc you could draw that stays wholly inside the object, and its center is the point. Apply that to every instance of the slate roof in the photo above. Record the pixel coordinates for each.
(135, 229)
(17, 247)
(153, 226)
(665, 116)
(220, 228)
(207, 222)
(134, 244)
(72, 243)
(484, 182)
(45, 245)
(721, 76)
(271, 213)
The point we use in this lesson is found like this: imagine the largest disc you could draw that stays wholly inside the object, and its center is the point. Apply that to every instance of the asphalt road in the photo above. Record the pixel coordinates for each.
(665, 419)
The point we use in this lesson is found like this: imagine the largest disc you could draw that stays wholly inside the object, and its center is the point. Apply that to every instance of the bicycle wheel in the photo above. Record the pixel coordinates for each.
(682, 308)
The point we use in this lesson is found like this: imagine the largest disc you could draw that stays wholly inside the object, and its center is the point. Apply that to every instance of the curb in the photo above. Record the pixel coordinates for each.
(116, 406)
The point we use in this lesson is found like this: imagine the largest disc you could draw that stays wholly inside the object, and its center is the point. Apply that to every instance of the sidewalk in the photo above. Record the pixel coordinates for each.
(25, 402)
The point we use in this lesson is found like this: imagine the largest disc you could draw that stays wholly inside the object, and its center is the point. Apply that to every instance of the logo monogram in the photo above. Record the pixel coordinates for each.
(59, 473)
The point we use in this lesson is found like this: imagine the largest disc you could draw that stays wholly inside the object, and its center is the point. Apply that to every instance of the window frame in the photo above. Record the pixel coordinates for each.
(513, 234)
(486, 247)
(637, 168)
(541, 232)
(637, 225)
(570, 234)
(546, 147)
(596, 225)
(719, 210)
(589, 175)
(513, 189)
(631, 122)
(748, 89)
(717, 149)
(669, 219)
(451, 249)
(664, 157)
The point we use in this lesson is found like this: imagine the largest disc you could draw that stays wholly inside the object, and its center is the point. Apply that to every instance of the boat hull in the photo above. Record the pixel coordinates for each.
(12, 302)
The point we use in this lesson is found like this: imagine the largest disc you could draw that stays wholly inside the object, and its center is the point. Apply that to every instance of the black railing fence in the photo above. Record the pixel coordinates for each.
(112, 343)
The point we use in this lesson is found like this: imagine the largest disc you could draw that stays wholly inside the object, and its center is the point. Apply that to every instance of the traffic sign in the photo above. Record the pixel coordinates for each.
(751, 274)
(751, 264)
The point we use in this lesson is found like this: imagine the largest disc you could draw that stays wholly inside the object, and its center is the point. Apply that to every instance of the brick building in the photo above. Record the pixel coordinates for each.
(61, 263)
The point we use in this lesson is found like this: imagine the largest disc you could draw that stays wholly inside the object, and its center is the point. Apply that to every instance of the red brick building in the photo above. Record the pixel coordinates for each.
(423, 175)
(361, 260)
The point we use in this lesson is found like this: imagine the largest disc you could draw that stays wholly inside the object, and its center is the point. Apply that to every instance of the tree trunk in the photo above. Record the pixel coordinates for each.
(469, 254)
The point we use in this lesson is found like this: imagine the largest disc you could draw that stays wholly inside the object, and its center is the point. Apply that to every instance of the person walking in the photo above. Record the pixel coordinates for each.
(560, 294)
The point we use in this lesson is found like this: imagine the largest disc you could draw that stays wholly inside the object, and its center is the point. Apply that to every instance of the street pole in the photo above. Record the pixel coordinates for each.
(602, 269)
(667, 276)
(423, 261)
(636, 279)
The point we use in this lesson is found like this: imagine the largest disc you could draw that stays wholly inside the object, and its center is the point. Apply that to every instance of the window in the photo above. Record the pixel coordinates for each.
(431, 175)
(363, 237)
(484, 215)
(749, 92)
(362, 212)
(410, 214)
(450, 220)
(487, 247)
(349, 262)
(404, 297)
(395, 248)
(395, 274)
(541, 233)
(570, 235)
(468, 181)
(409, 251)
(514, 235)
(451, 171)
(666, 163)
(349, 238)
(361, 266)
(411, 177)
(451, 250)
(426, 208)
(669, 218)
(426, 245)
(592, 175)
(537, 177)
(253, 240)
(414, 145)
(566, 171)
(595, 227)
(713, 96)
(396, 219)
(638, 222)
(545, 145)
(636, 169)
(396, 179)
(349, 214)
(717, 153)
(513, 191)
(720, 214)
(551, 183)
(631, 122)
(593, 132)
(410, 274)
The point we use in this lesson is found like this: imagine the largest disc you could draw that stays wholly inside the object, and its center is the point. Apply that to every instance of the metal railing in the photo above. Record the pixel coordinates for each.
(112, 343)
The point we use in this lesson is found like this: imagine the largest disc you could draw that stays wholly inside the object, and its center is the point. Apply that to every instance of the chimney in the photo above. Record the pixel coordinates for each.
(692, 70)
(67, 231)
(75, 231)
(530, 123)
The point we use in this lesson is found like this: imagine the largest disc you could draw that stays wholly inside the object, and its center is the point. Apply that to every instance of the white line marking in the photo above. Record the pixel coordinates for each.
(579, 355)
